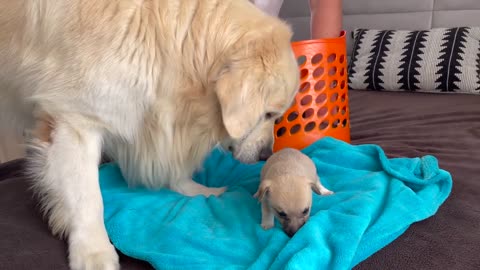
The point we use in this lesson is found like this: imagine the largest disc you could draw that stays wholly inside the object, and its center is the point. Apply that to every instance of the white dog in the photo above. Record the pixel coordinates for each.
(155, 84)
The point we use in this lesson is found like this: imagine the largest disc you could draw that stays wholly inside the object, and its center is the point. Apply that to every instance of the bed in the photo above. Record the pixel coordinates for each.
(403, 124)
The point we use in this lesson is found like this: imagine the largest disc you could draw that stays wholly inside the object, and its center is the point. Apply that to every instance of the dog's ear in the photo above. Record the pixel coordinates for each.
(244, 71)
(263, 190)
(240, 100)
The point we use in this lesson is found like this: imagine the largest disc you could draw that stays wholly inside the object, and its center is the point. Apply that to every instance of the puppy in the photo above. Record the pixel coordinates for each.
(154, 84)
(287, 180)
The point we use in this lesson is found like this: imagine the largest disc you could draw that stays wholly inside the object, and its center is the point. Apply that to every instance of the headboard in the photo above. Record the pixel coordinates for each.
(388, 14)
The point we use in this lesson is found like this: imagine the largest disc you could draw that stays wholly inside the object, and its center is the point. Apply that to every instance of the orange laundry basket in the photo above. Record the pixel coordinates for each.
(321, 104)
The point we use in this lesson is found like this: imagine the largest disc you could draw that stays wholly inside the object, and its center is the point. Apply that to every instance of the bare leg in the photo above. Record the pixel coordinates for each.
(66, 179)
(326, 18)
(267, 216)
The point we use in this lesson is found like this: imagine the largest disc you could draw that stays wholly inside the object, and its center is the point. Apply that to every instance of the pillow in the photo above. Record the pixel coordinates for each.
(435, 60)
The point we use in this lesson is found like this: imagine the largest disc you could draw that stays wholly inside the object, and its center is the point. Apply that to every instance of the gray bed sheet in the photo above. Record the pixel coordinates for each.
(448, 127)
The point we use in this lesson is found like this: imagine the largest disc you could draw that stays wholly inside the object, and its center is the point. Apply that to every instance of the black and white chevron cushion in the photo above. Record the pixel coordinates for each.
(435, 60)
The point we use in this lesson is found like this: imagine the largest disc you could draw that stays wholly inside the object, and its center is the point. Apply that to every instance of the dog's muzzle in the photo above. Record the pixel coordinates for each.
(265, 153)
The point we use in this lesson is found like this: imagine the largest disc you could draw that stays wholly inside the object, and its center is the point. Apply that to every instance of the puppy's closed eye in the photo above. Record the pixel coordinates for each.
(282, 214)
(305, 211)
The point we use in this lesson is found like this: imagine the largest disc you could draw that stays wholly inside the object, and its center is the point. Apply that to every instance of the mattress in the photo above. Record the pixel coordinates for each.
(404, 124)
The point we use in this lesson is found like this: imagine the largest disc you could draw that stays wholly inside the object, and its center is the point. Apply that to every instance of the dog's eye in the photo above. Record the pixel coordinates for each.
(282, 214)
(269, 115)
(305, 211)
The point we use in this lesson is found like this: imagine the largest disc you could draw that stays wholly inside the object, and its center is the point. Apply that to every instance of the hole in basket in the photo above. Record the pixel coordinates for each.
(306, 100)
(279, 120)
(321, 98)
(333, 84)
(343, 97)
(342, 85)
(295, 129)
(336, 123)
(318, 72)
(304, 87)
(332, 71)
(322, 112)
(308, 113)
(301, 60)
(309, 127)
(319, 85)
(292, 116)
(342, 71)
(331, 58)
(344, 123)
(342, 58)
(323, 125)
(335, 110)
(344, 110)
(281, 131)
(303, 73)
(317, 58)
(334, 97)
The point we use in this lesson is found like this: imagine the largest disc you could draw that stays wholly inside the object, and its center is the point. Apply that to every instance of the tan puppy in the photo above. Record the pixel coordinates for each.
(155, 84)
(287, 180)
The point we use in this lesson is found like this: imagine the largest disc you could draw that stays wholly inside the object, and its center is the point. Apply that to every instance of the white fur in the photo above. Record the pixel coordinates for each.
(155, 84)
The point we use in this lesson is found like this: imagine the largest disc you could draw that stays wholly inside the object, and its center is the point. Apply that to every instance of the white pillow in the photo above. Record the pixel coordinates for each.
(441, 60)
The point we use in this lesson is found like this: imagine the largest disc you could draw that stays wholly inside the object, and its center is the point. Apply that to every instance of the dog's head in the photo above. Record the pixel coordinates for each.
(290, 199)
(255, 87)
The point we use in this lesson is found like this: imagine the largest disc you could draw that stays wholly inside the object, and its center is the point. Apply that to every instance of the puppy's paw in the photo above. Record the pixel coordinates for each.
(267, 225)
(94, 258)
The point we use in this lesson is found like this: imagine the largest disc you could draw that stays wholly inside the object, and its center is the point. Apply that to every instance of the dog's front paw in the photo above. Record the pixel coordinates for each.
(192, 188)
(214, 191)
(93, 258)
(267, 225)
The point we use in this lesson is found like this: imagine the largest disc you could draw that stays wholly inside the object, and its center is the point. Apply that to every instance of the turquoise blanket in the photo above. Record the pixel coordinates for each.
(376, 199)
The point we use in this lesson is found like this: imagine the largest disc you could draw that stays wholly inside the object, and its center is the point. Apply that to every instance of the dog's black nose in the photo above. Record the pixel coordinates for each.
(265, 153)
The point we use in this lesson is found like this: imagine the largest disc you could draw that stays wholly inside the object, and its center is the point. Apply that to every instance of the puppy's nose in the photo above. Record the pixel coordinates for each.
(265, 153)
(290, 232)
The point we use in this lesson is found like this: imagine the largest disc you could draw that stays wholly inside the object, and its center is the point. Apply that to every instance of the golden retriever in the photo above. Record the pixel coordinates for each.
(156, 84)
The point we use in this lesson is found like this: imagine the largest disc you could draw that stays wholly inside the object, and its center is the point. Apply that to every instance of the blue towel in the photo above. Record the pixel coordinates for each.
(375, 201)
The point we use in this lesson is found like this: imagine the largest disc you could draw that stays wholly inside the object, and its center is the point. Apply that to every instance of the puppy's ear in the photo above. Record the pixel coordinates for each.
(263, 190)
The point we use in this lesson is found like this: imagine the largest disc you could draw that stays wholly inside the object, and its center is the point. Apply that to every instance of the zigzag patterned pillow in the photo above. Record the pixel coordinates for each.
(436, 60)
